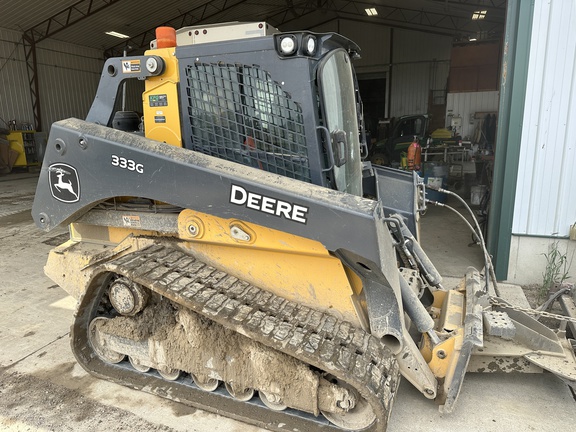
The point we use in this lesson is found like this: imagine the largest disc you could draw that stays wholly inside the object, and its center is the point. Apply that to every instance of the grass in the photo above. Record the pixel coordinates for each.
(556, 271)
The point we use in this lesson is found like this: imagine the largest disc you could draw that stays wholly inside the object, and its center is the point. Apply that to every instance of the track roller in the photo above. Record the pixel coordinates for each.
(205, 383)
(170, 374)
(356, 414)
(271, 400)
(244, 394)
(136, 364)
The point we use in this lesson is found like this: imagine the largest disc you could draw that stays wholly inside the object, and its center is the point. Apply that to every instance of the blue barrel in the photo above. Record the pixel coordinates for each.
(436, 174)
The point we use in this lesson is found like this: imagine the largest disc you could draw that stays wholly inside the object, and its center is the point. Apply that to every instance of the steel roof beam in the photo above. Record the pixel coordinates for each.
(491, 4)
(446, 23)
(66, 17)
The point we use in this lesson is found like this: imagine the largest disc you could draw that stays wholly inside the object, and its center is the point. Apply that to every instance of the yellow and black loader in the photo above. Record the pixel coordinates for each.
(233, 251)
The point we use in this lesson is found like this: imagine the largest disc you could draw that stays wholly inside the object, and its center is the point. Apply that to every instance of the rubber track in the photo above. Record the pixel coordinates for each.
(316, 338)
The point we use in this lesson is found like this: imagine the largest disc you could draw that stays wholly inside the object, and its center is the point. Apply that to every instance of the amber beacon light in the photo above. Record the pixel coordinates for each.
(165, 37)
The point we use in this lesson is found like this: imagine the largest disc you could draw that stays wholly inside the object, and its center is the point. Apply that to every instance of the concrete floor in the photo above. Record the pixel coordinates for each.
(447, 240)
(43, 389)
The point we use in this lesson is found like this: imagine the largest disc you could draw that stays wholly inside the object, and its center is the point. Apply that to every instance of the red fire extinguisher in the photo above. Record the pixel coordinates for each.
(414, 155)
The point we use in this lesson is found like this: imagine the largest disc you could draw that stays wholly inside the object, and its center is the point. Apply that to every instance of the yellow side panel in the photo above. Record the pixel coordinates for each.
(292, 267)
(160, 101)
(295, 268)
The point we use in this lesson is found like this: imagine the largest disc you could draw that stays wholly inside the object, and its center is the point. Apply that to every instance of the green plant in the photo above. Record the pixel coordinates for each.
(557, 269)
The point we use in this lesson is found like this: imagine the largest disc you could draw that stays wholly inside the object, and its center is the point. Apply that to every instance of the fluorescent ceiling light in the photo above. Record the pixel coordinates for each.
(479, 14)
(472, 39)
(118, 35)
(371, 11)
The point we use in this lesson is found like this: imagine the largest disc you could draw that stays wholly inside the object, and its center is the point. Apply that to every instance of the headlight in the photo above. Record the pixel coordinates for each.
(288, 45)
(310, 44)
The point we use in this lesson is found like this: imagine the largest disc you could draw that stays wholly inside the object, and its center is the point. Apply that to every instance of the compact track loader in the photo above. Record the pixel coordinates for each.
(233, 252)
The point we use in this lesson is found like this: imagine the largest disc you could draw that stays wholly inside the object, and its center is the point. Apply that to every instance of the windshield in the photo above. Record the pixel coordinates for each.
(339, 108)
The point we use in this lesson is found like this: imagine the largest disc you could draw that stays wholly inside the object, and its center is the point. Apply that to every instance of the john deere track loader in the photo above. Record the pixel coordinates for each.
(234, 253)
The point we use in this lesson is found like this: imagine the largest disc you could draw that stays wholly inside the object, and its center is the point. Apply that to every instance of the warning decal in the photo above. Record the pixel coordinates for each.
(131, 221)
(131, 66)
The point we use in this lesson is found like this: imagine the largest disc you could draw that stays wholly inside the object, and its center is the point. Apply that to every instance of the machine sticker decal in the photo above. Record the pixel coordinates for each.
(129, 164)
(64, 182)
(131, 66)
(131, 221)
(159, 119)
(265, 204)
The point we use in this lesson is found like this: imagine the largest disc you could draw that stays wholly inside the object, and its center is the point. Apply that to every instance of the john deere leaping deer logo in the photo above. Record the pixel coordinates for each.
(64, 182)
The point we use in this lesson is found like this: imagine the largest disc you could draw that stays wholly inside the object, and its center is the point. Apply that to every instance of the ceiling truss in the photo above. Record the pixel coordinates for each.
(66, 18)
(445, 23)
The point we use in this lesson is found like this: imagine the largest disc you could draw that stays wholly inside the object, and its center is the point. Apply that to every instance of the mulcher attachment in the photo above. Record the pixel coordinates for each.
(480, 332)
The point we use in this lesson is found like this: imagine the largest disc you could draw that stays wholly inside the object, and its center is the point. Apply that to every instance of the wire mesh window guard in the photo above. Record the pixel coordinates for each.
(240, 114)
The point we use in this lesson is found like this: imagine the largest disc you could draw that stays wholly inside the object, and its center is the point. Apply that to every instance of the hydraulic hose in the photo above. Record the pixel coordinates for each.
(478, 232)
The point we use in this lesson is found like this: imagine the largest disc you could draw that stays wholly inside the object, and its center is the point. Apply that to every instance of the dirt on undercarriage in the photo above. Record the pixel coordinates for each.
(189, 342)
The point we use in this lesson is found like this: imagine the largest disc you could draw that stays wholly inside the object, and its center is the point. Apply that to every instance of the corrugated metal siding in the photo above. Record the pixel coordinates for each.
(410, 89)
(374, 42)
(420, 63)
(130, 17)
(68, 77)
(133, 17)
(15, 102)
(546, 194)
(412, 46)
(466, 104)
